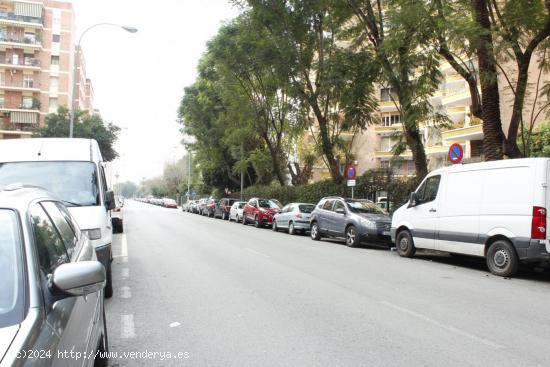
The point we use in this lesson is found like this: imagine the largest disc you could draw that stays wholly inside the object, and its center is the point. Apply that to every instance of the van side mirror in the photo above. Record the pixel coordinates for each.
(413, 200)
(110, 203)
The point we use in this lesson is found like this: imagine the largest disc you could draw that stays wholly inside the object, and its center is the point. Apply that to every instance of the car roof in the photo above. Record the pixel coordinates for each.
(504, 163)
(49, 149)
(19, 197)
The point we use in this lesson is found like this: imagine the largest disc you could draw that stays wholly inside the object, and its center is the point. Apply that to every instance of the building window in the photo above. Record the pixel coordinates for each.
(387, 95)
(389, 120)
(56, 38)
(29, 38)
(56, 17)
(54, 83)
(53, 104)
(55, 60)
(28, 81)
(385, 164)
(2, 102)
(27, 103)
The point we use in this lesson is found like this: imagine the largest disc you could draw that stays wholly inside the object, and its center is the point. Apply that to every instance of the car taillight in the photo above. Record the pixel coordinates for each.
(538, 223)
(116, 209)
(298, 215)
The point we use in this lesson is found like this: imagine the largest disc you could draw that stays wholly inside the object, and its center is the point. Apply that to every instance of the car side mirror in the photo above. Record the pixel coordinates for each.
(79, 279)
(110, 203)
(341, 211)
(413, 200)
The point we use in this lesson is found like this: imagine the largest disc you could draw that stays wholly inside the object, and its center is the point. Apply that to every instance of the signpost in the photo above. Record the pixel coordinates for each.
(351, 174)
(456, 153)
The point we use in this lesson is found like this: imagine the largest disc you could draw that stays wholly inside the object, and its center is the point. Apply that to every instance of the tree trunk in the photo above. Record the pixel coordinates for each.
(490, 98)
(413, 139)
(327, 145)
(512, 148)
(275, 159)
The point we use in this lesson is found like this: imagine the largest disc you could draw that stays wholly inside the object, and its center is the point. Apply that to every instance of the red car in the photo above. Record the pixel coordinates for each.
(260, 212)
(210, 208)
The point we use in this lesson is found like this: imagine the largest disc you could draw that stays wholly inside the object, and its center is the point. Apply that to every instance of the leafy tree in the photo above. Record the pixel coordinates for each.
(86, 126)
(127, 189)
(393, 30)
(334, 81)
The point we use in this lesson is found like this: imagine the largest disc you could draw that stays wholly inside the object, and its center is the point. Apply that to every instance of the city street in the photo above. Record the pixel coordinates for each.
(224, 294)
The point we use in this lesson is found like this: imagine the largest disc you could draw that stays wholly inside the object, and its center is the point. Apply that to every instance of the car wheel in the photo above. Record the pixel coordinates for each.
(315, 233)
(291, 230)
(121, 227)
(257, 223)
(244, 220)
(352, 237)
(405, 245)
(109, 282)
(102, 359)
(274, 226)
(502, 259)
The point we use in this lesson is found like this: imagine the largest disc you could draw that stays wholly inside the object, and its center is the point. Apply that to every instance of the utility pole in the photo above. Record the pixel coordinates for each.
(242, 173)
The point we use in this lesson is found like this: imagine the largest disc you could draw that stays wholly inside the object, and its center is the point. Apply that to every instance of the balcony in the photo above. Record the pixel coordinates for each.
(474, 132)
(388, 129)
(24, 86)
(27, 43)
(26, 64)
(22, 20)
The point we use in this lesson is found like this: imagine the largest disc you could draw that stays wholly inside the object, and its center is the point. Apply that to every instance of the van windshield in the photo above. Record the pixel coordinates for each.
(74, 182)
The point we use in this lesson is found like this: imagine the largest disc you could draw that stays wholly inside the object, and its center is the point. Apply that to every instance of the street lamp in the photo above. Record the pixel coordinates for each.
(126, 28)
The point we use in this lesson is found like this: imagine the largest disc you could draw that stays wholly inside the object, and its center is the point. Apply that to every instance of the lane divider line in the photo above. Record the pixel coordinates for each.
(441, 325)
(127, 330)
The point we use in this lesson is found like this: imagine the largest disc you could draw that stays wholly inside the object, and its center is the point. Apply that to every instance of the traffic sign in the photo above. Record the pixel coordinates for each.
(456, 153)
(351, 183)
(351, 173)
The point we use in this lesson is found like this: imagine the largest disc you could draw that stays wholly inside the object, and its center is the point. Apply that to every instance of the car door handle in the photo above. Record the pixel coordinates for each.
(432, 210)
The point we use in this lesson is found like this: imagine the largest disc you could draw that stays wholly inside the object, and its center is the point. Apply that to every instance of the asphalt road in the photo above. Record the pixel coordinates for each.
(222, 294)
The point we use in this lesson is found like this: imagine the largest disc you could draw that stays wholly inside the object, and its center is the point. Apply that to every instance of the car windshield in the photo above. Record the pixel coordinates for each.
(241, 205)
(262, 203)
(307, 209)
(74, 182)
(11, 278)
(364, 206)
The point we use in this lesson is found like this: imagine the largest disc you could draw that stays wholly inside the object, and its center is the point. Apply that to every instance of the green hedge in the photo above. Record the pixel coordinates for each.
(367, 185)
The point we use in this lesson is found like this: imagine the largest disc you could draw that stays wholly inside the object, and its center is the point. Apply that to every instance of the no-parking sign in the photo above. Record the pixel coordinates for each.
(456, 153)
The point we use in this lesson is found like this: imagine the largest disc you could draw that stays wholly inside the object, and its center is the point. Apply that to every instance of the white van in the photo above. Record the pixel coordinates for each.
(73, 170)
(496, 210)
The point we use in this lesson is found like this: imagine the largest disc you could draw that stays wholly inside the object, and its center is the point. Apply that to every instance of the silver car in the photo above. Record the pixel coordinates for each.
(294, 217)
(51, 285)
(236, 211)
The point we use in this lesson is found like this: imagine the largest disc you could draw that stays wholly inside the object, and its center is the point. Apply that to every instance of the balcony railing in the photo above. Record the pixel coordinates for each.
(25, 40)
(23, 84)
(20, 62)
(19, 18)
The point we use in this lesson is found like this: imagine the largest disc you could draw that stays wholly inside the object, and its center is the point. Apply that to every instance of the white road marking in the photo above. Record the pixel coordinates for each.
(449, 328)
(174, 324)
(257, 253)
(127, 329)
(123, 246)
(125, 292)
(125, 273)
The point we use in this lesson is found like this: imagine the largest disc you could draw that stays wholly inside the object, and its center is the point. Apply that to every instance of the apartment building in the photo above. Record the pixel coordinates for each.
(374, 147)
(36, 59)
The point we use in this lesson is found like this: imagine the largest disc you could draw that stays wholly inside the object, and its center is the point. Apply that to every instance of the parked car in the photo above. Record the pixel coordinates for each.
(200, 206)
(356, 220)
(51, 288)
(74, 171)
(496, 210)
(117, 217)
(260, 212)
(294, 217)
(210, 208)
(223, 207)
(169, 203)
(236, 211)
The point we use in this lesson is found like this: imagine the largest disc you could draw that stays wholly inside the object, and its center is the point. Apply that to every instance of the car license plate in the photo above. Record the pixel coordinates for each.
(385, 233)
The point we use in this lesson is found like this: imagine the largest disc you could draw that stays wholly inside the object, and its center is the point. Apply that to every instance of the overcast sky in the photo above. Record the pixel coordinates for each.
(139, 78)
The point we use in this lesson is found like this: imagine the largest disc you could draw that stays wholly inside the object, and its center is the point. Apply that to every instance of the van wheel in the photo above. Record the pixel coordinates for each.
(502, 259)
(405, 244)
(314, 232)
(352, 237)
(109, 282)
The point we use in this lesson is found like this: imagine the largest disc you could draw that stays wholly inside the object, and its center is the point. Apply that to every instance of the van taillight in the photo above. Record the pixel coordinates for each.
(538, 224)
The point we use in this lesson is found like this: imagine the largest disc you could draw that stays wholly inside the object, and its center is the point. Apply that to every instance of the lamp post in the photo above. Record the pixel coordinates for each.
(72, 112)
